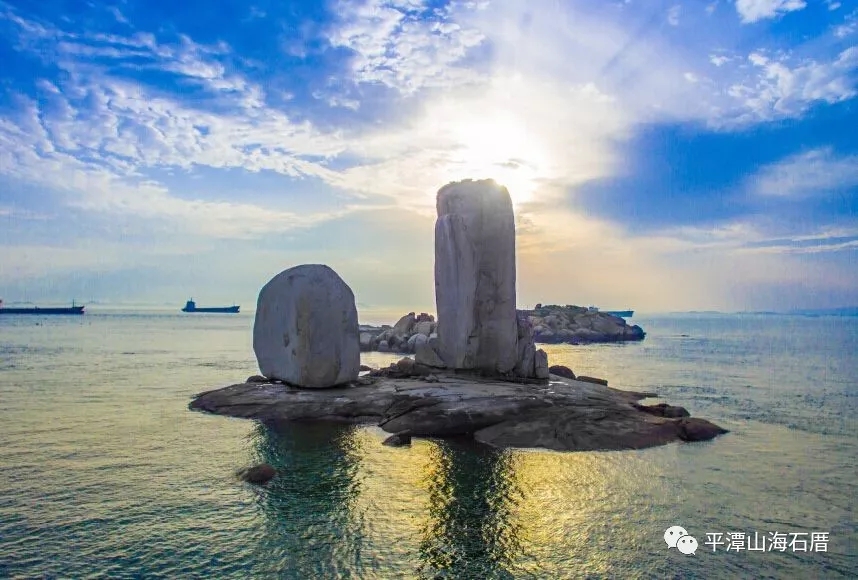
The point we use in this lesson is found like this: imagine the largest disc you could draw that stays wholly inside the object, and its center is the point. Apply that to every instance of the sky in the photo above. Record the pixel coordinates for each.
(661, 155)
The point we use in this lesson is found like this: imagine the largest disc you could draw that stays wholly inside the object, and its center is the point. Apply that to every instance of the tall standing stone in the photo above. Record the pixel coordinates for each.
(306, 328)
(475, 277)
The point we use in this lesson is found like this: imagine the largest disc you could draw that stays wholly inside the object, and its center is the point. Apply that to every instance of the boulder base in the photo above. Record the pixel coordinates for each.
(564, 415)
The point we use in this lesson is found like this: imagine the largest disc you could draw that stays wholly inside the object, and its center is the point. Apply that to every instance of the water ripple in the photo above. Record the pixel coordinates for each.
(106, 474)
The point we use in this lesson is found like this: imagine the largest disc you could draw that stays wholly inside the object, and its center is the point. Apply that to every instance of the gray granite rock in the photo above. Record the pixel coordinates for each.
(426, 353)
(475, 276)
(424, 328)
(405, 325)
(365, 341)
(306, 329)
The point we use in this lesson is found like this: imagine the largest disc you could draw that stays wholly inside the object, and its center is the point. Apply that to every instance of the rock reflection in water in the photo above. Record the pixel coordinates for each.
(344, 505)
(469, 533)
(307, 507)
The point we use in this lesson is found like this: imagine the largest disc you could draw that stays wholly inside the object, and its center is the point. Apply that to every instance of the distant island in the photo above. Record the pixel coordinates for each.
(845, 311)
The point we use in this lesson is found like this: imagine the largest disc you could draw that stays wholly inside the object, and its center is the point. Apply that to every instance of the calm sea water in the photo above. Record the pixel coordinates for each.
(106, 473)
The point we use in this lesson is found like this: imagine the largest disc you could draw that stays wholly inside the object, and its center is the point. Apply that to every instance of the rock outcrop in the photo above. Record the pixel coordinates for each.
(550, 325)
(475, 277)
(306, 328)
(578, 325)
(563, 415)
(478, 329)
(401, 337)
(561, 371)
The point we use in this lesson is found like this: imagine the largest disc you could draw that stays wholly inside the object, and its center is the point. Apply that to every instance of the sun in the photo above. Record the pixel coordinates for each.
(500, 147)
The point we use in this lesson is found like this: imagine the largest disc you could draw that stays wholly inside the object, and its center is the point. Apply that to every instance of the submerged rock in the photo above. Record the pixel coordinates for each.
(665, 410)
(694, 429)
(397, 440)
(306, 328)
(258, 474)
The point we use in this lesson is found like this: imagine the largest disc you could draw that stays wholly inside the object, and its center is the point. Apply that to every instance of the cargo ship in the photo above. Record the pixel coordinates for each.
(73, 309)
(191, 306)
(620, 313)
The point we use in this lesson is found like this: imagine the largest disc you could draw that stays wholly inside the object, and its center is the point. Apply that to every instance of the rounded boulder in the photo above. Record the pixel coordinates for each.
(306, 328)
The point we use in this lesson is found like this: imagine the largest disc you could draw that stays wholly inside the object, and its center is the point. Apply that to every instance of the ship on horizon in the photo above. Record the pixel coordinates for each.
(191, 306)
(73, 309)
(619, 313)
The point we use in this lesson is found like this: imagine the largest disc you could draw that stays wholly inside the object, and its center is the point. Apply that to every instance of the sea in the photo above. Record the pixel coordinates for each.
(106, 473)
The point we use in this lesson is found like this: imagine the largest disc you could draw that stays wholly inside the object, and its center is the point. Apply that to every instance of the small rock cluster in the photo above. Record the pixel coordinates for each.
(405, 368)
(404, 337)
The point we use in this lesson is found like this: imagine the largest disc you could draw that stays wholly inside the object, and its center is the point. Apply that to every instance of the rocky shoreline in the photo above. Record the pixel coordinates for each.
(560, 414)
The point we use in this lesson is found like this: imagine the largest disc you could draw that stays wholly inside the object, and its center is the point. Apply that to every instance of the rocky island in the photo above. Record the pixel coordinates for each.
(476, 371)
(579, 325)
(551, 325)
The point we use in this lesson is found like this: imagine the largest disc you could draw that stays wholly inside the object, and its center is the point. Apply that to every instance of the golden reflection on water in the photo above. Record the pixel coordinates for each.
(453, 508)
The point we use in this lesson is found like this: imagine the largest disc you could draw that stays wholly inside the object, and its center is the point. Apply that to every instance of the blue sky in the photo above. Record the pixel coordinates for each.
(661, 155)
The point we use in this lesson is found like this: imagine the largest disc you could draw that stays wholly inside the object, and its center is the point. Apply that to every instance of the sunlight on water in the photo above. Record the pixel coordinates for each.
(106, 472)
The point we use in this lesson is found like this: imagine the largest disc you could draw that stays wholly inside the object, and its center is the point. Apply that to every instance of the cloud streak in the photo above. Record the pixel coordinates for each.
(814, 173)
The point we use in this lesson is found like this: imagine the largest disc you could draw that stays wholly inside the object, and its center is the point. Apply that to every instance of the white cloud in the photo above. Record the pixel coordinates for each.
(97, 155)
(719, 60)
(755, 10)
(673, 15)
(813, 173)
(404, 44)
(848, 27)
(758, 59)
(117, 15)
(777, 90)
(753, 235)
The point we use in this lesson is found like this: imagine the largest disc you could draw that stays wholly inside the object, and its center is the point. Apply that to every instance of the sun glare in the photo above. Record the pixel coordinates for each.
(501, 148)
